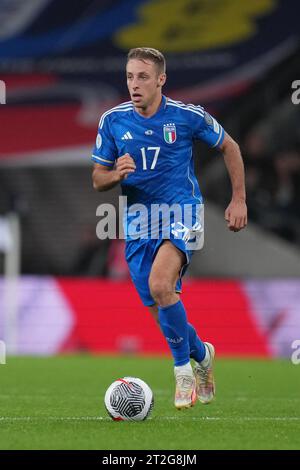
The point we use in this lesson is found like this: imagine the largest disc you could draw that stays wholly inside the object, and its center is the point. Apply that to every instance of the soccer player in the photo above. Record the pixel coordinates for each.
(146, 145)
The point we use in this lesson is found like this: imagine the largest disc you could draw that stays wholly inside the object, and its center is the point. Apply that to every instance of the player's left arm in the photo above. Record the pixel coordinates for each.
(236, 212)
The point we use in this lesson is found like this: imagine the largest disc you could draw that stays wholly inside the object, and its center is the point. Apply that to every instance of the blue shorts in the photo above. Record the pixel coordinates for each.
(140, 255)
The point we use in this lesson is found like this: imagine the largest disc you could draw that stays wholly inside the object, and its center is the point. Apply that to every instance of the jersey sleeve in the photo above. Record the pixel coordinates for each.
(105, 151)
(206, 128)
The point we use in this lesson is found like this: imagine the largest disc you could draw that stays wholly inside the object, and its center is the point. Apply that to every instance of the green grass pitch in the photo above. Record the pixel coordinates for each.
(57, 403)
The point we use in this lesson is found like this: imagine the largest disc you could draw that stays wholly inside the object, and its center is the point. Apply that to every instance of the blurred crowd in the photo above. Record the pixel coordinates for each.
(271, 153)
(99, 257)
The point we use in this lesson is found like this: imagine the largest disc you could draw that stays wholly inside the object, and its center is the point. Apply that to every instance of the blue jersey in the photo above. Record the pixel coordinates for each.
(162, 148)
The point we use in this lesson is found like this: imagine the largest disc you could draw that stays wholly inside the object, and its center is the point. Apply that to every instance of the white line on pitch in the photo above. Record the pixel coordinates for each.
(177, 418)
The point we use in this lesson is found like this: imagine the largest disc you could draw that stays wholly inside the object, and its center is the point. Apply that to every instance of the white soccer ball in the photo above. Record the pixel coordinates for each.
(129, 399)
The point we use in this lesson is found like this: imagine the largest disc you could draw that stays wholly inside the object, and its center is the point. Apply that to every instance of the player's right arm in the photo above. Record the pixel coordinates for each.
(109, 170)
(105, 178)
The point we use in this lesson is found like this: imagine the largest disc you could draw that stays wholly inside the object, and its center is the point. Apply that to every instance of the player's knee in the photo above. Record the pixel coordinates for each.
(160, 290)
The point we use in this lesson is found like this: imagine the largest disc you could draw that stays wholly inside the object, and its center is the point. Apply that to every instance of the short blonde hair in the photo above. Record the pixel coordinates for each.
(148, 53)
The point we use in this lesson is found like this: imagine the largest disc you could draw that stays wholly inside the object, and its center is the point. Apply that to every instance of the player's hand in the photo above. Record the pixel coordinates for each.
(125, 165)
(236, 215)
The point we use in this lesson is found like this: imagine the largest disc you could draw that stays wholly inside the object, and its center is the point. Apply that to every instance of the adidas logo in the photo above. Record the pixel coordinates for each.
(127, 136)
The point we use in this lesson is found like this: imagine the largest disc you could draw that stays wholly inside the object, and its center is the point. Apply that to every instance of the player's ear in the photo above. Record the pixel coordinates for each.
(162, 79)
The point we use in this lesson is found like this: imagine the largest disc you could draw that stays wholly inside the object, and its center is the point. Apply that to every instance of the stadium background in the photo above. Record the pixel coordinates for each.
(62, 63)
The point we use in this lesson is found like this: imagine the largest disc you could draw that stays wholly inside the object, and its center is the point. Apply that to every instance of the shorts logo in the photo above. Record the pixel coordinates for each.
(170, 133)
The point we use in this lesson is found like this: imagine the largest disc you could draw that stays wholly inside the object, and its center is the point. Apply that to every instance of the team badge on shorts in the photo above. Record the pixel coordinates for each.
(170, 133)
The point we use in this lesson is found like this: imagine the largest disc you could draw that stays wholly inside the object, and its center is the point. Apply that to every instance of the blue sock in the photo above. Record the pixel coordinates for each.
(174, 325)
(197, 347)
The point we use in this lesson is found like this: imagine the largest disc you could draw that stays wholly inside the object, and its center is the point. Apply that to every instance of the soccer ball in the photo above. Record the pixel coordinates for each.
(129, 399)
